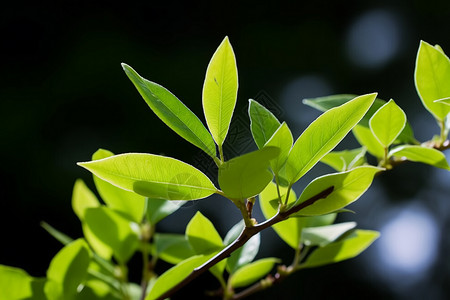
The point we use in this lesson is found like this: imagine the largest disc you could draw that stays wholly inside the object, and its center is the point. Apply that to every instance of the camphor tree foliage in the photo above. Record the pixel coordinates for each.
(138, 190)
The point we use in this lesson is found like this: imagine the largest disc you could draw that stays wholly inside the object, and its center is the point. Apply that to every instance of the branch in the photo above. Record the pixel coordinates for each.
(245, 235)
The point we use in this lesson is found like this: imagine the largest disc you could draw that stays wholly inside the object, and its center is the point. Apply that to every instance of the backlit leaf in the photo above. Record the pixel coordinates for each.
(220, 91)
(153, 176)
(421, 154)
(263, 123)
(247, 175)
(324, 134)
(387, 123)
(82, 199)
(173, 112)
(346, 159)
(366, 138)
(158, 209)
(15, 283)
(283, 140)
(323, 235)
(172, 248)
(202, 235)
(250, 273)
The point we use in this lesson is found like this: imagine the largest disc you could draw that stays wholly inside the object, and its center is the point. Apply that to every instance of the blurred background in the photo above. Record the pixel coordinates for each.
(63, 95)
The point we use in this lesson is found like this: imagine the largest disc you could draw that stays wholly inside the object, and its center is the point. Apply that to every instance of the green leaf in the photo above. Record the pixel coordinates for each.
(387, 123)
(58, 235)
(432, 77)
(324, 134)
(341, 250)
(175, 275)
(444, 101)
(247, 175)
(220, 91)
(323, 235)
(282, 139)
(263, 123)
(173, 112)
(345, 160)
(68, 269)
(82, 199)
(366, 138)
(246, 253)
(172, 248)
(202, 235)
(347, 188)
(15, 283)
(421, 154)
(250, 273)
(153, 176)
(158, 209)
(97, 290)
(115, 231)
(129, 204)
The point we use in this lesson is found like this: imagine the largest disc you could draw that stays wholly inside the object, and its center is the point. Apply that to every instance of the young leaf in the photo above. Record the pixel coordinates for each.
(202, 235)
(158, 209)
(173, 112)
(366, 138)
(153, 176)
(246, 253)
(15, 283)
(347, 188)
(282, 139)
(82, 199)
(387, 123)
(432, 77)
(247, 175)
(120, 234)
(341, 250)
(323, 235)
(68, 268)
(324, 134)
(172, 248)
(421, 154)
(175, 275)
(345, 160)
(220, 91)
(129, 204)
(263, 123)
(250, 273)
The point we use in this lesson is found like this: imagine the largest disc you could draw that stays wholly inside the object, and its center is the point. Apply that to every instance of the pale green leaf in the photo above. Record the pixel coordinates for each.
(341, 250)
(347, 187)
(202, 235)
(174, 275)
(82, 199)
(98, 245)
(443, 100)
(128, 203)
(244, 254)
(153, 176)
(68, 269)
(158, 209)
(432, 78)
(173, 112)
(220, 91)
(113, 230)
(172, 248)
(15, 283)
(250, 273)
(247, 175)
(346, 159)
(324, 134)
(263, 123)
(283, 140)
(323, 235)
(421, 154)
(366, 138)
(387, 123)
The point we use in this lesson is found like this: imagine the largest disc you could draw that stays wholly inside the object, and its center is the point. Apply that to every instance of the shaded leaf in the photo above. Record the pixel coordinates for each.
(153, 176)
(346, 159)
(366, 138)
(263, 123)
(250, 273)
(323, 235)
(158, 209)
(283, 140)
(421, 154)
(172, 248)
(387, 123)
(202, 235)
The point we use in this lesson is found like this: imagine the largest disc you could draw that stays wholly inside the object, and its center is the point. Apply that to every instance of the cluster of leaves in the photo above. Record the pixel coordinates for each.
(139, 190)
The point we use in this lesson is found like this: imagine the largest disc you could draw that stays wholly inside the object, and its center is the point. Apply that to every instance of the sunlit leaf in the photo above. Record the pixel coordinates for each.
(366, 138)
(347, 188)
(444, 101)
(341, 250)
(323, 235)
(128, 203)
(172, 112)
(421, 154)
(247, 175)
(153, 176)
(387, 123)
(324, 134)
(15, 283)
(346, 159)
(220, 91)
(96, 289)
(432, 77)
(172, 248)
(250, 273)
(263, 123)
(283, 140)
(82, 198)
(202, 235)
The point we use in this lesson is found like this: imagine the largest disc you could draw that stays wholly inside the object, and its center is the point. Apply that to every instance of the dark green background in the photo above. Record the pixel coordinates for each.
(63, 95)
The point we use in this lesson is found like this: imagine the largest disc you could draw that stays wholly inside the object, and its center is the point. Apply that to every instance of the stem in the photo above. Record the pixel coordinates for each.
(221, 153)
(245, 235)
(147, 267)
(287, 194)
